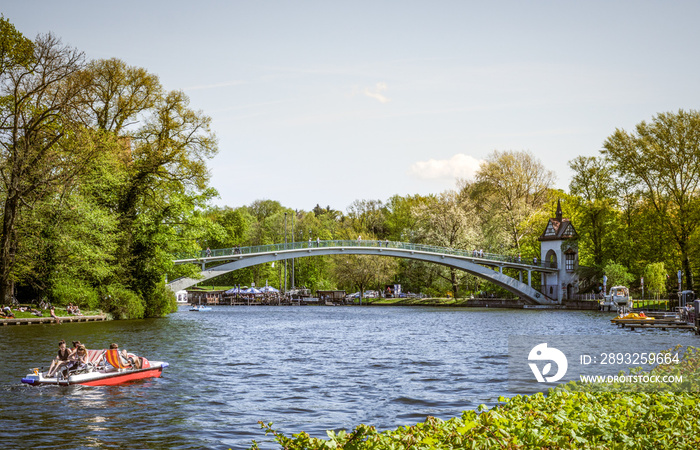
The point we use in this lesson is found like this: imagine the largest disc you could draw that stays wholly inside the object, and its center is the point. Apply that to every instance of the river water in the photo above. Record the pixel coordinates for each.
(303, 368)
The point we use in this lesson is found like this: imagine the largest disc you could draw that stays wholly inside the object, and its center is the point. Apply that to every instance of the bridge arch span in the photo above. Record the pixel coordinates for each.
(473, 265)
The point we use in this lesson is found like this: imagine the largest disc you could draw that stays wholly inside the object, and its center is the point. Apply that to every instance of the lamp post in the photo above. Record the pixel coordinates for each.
(285, 247)
(293, 241)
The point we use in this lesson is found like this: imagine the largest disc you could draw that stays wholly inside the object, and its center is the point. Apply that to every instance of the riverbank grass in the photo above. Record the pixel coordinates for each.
(60, 312)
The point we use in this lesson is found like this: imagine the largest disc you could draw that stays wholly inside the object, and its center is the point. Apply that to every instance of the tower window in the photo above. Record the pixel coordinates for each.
(570, 262)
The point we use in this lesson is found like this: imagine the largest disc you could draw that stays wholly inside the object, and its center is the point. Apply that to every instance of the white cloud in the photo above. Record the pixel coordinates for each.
(459, 166)
(376, 94)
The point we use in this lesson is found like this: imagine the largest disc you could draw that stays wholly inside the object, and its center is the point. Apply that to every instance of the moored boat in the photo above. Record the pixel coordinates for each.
(200, 308)
(98, 372)
(632, 318)
(617, 300)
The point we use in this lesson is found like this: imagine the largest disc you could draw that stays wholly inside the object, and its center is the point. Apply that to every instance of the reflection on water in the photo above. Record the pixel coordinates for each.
(304, 368)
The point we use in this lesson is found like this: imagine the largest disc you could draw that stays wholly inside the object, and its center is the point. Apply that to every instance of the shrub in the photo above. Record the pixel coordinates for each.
(122, 303)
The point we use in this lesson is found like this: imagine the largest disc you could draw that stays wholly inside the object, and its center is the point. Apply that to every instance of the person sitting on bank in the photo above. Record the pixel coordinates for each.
(61, 360)
(7, 312)
(52, 311)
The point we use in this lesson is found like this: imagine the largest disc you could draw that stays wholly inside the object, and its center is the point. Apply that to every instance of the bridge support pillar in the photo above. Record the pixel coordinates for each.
(520, 275)
(203, 265)
(529, 278)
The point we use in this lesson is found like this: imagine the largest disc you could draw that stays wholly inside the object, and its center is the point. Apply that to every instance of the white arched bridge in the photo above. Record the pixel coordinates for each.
(485, 265)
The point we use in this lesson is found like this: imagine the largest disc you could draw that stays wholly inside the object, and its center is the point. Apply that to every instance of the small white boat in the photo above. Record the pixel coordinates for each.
(98, 372)
(618, 299)
(200, 308)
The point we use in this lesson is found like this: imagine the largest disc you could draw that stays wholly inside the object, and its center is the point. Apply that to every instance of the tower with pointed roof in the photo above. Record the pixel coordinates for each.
(559, 249)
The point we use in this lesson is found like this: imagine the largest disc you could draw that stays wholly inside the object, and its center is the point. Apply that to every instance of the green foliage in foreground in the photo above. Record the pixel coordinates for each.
(563, 419)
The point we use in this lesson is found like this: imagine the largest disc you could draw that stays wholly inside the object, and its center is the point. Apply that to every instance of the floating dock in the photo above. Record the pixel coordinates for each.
(663, 324)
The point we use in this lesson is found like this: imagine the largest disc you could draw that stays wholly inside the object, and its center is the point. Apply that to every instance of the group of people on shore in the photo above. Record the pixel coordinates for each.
(77, 358)
(73, 310)
(7, 312)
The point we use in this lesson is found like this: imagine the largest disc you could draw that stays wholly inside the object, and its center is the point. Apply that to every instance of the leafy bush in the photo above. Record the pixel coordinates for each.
(617, 274)
(161, 301)
(123, 303)
(64, 291)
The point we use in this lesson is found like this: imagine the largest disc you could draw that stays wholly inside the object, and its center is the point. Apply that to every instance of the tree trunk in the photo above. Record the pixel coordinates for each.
(453, 280)
(7, 246)
(687, 269)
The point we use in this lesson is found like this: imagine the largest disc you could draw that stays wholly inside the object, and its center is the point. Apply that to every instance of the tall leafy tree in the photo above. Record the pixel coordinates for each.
(655, 278)
(164, 146)
(117, 94)
(593, 188)
(15, 49)
(38, 130)
(401, 222)
(662, 158)
(448, 221)
(364, 271)
(510, 189)
(167, 176)
(367, 216)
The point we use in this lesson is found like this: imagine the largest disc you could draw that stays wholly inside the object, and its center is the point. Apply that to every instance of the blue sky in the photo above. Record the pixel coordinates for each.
(328, 102)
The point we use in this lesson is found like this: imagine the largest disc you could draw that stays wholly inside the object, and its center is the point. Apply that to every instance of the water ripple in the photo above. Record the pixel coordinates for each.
(310, 368)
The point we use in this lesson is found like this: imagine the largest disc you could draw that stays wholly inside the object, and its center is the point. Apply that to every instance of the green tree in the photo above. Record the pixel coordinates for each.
(367, 216)
(164, 148)
(364, 271)
(662, 158)
(15, 49)
(593, 188)
(38, 133)
(448, 221)
(400, 220)
(617, 274)
(510, 188)
(116, 94)
(655, 278)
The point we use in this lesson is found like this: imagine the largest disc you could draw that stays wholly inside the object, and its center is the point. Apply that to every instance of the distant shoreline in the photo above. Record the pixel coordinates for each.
(481, 303)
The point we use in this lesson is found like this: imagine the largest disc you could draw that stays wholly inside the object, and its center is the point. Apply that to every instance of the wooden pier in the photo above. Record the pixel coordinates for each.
(662, 324)
(40, 320)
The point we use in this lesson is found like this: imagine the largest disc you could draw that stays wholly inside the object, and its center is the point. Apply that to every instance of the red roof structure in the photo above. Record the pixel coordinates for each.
(558, 228)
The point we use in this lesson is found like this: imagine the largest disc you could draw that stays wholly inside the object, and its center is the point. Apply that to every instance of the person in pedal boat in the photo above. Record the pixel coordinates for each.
(62, 358)
(81, 357)
(128, 359)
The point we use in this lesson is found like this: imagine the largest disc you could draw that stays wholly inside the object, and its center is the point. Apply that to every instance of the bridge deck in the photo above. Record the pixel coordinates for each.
(479, 257)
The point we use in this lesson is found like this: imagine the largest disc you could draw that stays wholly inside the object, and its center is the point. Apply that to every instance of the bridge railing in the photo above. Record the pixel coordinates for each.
(268, 248)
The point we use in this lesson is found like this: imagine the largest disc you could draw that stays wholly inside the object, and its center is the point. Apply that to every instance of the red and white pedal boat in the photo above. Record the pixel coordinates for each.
(98, 372)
